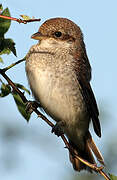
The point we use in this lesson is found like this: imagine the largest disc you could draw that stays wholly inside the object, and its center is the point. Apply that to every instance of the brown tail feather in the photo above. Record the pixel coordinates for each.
(86, 155)
(77, 165)
(91, 144)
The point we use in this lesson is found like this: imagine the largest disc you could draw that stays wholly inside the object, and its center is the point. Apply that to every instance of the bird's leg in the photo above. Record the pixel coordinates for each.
(58, 128)
(31, 105)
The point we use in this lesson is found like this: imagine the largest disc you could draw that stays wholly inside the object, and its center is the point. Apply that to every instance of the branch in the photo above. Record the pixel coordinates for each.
(19, 20)
(13, 64)
(40, 115)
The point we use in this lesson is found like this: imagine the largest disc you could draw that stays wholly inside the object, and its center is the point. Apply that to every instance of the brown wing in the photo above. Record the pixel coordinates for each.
(91, 105)
(83, 71)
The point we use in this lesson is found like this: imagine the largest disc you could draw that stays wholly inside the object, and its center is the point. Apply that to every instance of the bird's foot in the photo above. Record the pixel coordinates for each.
(58, 128)
(31, 106)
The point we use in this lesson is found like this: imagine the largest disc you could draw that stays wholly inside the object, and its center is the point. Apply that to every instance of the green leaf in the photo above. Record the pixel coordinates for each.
(21, 106)
(1, 8)
(25, 17)
(7, 46)
(11, 45)
(1, 60)
(1, 46)
(5, 51)
(4, 23)
(22, 87)
(113, 177)
(5, 90)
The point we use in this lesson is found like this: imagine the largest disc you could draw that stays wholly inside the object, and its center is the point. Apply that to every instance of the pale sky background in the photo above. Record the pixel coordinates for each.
(98, 21)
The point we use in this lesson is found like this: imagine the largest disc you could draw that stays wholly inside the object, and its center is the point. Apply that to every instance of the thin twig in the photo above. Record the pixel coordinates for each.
(31, 20)
(19, 20)
(104, 175)
(13, 64)
(93, 166)
(13, 86)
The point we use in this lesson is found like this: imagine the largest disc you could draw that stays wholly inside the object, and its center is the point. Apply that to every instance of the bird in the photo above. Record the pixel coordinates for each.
(59, 75)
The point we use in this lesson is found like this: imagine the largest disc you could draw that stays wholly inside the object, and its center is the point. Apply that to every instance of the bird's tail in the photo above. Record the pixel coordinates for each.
(86, 155)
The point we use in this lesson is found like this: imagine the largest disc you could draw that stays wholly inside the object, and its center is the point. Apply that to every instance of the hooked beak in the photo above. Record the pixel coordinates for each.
(38, 36)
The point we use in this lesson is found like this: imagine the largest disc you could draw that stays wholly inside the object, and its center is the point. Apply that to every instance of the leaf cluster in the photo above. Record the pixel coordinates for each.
(7, 45)
(5, 90)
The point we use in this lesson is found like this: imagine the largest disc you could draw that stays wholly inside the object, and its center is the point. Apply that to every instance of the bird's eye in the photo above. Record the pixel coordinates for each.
(58, 34)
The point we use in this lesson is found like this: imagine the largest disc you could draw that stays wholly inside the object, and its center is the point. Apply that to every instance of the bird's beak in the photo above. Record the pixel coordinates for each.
(38, 36)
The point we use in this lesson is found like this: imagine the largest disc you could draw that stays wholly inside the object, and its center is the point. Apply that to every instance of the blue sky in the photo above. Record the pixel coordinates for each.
(97, 20)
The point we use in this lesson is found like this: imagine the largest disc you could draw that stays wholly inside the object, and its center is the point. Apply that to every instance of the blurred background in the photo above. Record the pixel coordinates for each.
(30, 151)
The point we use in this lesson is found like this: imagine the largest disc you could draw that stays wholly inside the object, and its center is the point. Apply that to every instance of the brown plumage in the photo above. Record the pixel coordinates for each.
(59, 75)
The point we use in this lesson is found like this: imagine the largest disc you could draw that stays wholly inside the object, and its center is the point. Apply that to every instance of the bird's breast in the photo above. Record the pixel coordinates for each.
(56, 87)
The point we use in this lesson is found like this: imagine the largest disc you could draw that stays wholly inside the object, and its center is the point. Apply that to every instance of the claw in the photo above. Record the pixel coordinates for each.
(31, 105)
(58, 129)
